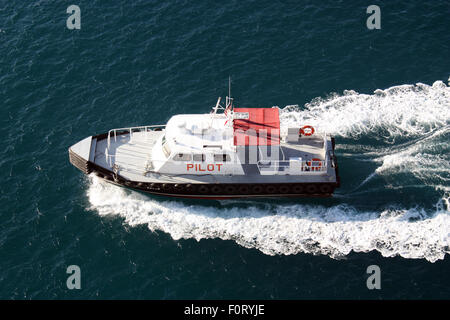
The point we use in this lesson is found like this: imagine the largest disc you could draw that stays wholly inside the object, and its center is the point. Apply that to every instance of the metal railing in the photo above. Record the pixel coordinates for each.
(130, 131)
(284, 166)
(141, 166)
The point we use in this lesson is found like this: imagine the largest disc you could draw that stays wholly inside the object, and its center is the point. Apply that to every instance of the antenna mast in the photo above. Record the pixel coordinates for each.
(229, 86)
(229, 100)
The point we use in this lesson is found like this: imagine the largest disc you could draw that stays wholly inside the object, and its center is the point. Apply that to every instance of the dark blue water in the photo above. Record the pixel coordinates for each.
(382, 93)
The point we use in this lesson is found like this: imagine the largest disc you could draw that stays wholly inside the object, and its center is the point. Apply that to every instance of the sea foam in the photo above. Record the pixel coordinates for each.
(420, 113)
(405, 110)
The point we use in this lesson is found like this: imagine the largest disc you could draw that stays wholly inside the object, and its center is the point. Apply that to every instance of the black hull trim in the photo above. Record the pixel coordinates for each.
(223, 191)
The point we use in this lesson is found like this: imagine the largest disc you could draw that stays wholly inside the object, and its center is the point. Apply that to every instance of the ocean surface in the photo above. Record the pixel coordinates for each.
(384, 94)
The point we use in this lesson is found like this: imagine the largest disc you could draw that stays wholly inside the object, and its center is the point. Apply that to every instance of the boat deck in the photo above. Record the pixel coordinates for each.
(306, 148)
(128, 151)
(131, 153)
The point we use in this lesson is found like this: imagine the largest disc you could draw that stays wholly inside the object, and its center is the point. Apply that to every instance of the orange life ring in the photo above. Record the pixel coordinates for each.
(307, 133)
(314, 167)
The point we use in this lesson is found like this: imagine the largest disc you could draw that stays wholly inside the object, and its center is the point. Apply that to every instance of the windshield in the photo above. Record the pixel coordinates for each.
(165, 147)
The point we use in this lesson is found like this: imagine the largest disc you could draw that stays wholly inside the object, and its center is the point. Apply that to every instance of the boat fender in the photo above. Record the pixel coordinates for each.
(325, 188)
(257, 189)
(271, 189)
(230, 189)
(311, 188)
(178, 187)
(166, 186)
(244, 189)
(298, 188)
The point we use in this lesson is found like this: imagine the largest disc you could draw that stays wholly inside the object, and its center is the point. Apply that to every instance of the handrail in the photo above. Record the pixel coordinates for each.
(306, 166)
(131, 130)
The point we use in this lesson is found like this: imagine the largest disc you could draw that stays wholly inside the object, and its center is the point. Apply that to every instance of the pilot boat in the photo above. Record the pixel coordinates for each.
(227, 153)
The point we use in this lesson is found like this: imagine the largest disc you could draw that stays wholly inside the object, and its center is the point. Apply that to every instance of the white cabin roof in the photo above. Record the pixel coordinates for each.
(192, 132)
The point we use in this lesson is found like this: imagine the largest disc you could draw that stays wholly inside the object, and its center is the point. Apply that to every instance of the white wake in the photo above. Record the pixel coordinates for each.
(418, 112)
(399, 111)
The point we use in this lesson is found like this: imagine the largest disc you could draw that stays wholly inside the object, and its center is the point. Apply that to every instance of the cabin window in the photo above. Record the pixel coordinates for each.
(182, 157)
(221, 157)
(199, 157)
(166, 149)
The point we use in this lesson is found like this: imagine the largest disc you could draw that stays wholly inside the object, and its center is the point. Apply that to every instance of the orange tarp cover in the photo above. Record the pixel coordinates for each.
(262, 128)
